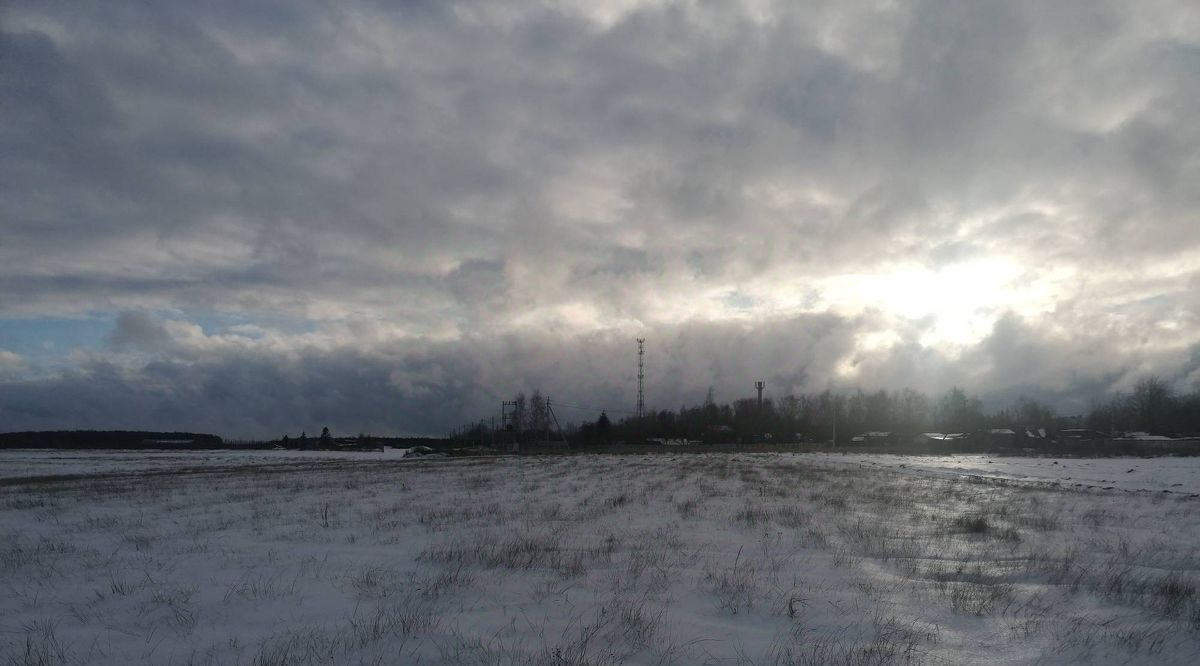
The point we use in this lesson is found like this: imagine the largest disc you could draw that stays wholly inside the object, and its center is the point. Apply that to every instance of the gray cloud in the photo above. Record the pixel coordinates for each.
(252, 386)
(139, 332)
(463, 176)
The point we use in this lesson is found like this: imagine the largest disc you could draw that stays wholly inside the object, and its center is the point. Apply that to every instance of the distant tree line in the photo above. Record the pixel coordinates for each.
(815, 417)
(109, 439)
(362, 441)
(1150, 407)
(531, 415)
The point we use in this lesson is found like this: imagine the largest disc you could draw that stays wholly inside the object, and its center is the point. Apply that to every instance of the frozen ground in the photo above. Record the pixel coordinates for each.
(20, 463)
(690, 558)
(1133, 474)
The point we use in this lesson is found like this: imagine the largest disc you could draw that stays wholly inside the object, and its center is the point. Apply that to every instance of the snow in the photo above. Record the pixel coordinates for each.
(18, 463)
(1147, 437)
(1130, 474)
(685, 558)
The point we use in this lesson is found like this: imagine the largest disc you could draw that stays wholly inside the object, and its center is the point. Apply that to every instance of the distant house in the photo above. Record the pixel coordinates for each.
(873, 437)
(945, 437)
(357, 444)
(1146, 437)
(668, 441)
(1080, 435)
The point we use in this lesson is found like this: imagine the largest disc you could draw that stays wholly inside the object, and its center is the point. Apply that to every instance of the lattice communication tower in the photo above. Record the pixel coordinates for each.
(641, 402)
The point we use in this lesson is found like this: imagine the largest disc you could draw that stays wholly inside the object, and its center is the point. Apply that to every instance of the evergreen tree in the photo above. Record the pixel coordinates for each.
(604, 427)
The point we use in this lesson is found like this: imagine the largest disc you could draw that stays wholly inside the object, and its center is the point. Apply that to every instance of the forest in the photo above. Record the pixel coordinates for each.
(1151, 406)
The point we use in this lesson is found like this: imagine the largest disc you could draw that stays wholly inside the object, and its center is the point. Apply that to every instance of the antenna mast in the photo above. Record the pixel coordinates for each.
(641, 402)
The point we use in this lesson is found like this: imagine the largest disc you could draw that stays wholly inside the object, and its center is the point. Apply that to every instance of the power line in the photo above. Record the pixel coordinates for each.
(592, 408)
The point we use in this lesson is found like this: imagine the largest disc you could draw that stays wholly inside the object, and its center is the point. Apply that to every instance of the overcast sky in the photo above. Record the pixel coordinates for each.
(258, 218)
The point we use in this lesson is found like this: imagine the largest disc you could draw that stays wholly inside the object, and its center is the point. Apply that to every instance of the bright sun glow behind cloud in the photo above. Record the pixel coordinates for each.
(963, 299)
(500, 196)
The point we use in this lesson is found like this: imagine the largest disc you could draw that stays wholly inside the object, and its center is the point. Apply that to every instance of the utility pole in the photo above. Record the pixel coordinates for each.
(508, 421)
(507, 410)
(759, 387)
(561, 434)
(835, 411)
(641, 400)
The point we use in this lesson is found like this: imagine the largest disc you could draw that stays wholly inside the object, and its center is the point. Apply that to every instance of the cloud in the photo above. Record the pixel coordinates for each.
(138, 331)
(468, 175)
(262, 383)
(11, 364)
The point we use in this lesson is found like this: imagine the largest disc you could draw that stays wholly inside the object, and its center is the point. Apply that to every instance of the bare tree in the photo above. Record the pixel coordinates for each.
(1151, 403)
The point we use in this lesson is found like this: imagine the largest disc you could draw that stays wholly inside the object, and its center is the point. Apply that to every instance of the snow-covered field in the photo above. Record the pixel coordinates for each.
(1173, 475)
(657, 559)
(19, 463)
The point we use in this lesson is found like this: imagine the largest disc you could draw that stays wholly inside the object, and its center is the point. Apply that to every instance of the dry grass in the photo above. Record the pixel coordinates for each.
(589, 560)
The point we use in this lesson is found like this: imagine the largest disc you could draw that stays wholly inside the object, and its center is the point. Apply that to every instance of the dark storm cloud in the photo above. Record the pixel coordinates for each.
(240, 388)
(431, 180)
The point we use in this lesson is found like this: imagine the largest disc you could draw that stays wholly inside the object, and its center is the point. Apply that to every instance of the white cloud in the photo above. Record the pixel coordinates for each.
(462, 172)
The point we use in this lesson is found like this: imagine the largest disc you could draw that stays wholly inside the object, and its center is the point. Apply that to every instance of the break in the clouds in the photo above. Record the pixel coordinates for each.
(257, 218)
